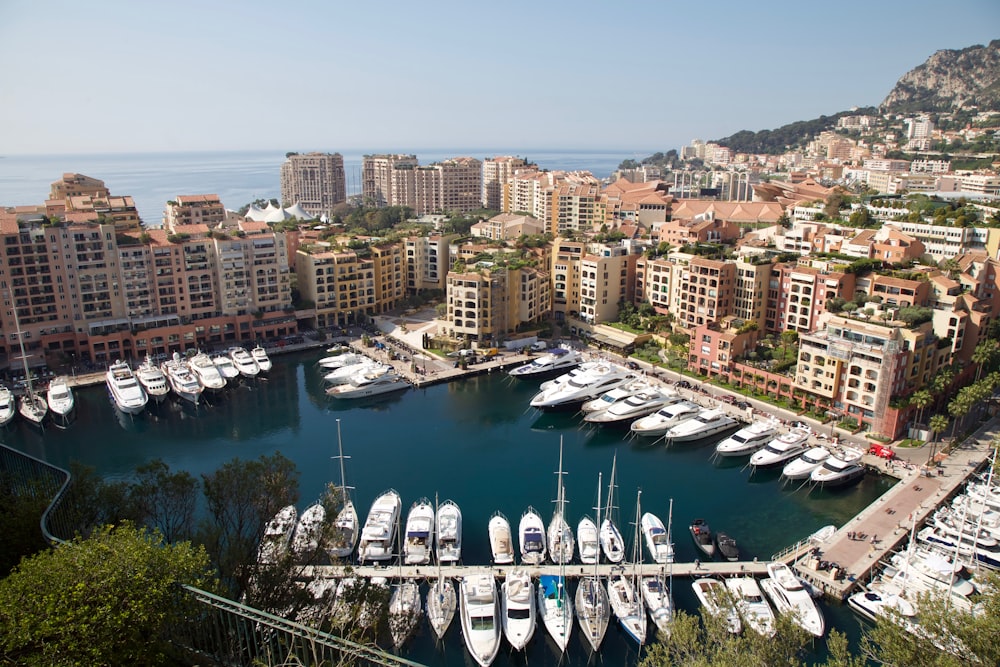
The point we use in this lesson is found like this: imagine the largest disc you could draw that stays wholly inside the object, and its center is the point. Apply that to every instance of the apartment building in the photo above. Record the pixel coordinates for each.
(390, 275)
(77, 185)
(497, 171)
(507, 227)
(314, 181)
(453, 185)
(194, 210)
(427, 262)
(577, 207)
(752, 276)
(339, 282)
(379, 175)
(646, 203)
(707, 292)
(714, 347)
(797, 294)
(566, 260)
(487, 304)
(606, 276)
(942, 242)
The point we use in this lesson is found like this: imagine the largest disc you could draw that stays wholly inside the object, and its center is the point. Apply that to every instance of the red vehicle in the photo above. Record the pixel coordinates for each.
(882, 451)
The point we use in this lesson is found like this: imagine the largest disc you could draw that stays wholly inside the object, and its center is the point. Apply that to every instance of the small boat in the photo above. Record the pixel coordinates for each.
(404, 611)
(344, 532)
(802, 467)
(152, 379)
(728, 548)
(125, 390)
(259, 355)
(308, 531)
(277, 535)
(441, 600)
(657, 540)
(632, 408)
(375, 599)
(712, 595)
(379, 532)
(748, 439)
(32, 406)
(657, 424)
(60, 399)
(785, 447)
(182, 381)
(517, 608)
(449, 532)
(752, 606)
(789, 596)
(557, 360)
(244, 362)
(658, 601)
(623, 590)
(705, 424)
(593, 610)
(207, 372)
(612, 543)
(367, 383)
(480, 622)
(702, 535)
(588, 541)
(556, 608)
(8, 406)
(501, 540)
(226, 366)
(561, 541)
(843, 466)
(875, 602)
(531, 533)
(419, 533)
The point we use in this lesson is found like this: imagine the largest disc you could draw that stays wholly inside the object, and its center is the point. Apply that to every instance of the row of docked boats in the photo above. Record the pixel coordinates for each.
(354, 375)
(35, 407)
(186, 377)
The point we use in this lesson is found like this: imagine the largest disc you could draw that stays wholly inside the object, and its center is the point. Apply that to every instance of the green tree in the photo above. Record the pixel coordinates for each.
(983, 356)
(20, 519)
(788, 338)
(921, 399)
(164, 500)
(107, 599)
(938, 425)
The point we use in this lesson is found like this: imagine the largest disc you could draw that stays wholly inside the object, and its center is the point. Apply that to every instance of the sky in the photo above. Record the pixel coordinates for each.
(112, 76)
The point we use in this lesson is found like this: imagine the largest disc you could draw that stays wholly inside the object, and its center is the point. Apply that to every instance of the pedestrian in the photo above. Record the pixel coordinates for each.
(697, 564)
(874, 539)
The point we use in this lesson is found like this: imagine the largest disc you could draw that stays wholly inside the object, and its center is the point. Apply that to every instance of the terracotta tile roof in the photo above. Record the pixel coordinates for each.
(8, 222)
(249, 226)
(198, 199)
(200, 229)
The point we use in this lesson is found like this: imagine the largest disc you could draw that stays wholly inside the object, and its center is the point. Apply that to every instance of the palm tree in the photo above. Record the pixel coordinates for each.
(921, 399)
(938, 424)
(983, 356)
(959, 407)
(940, 383)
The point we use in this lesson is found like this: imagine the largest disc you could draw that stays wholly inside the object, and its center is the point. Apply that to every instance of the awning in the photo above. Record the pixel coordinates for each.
(607, 341)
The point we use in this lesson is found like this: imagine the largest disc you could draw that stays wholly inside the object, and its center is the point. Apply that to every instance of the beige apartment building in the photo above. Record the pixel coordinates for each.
(390, 275)
(314, 181)
(506, 227)
(707, 292)
(194, 210)
(453, 185)
(427, 262)
(339, 282)
(605, 273)
(497, 171)
(486, 305)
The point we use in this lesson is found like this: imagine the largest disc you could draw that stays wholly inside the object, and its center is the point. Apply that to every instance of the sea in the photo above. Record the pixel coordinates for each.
(475, 441)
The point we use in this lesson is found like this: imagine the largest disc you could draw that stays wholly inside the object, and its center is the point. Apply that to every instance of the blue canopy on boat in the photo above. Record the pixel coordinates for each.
(419, 533)
(551, 584)
(558, 351)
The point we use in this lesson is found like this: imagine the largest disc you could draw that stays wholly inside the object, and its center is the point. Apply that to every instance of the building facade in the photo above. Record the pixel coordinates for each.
(315, 181)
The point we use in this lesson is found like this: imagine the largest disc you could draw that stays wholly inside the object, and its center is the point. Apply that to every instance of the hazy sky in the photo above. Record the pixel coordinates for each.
(135, 76)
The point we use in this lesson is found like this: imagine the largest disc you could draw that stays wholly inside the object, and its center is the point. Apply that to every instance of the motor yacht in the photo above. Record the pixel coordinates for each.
(379, 532)
(556, 361)
(789, 596)
(875, 601)
(182, 381)
(207, 372)
(340, 359)
(560, 380)
(712, 595)
(927, 571)
(748, 439)
(417, 547)
(634, 407)
(367, 383)
(656, 595)
(8, 406)
(843, 466)
(617, 395)
(588, 541)
(555, 608)
(750, 602)
(125, 390)
(593, 610)
(449, 532)
(152, 379)
(583, 387)
(404, 611)
(785, 447)
(987, 555)
(986, 494)
(802, 467)
(657, 540)
(344, 374)
(701, 533)
(727, 546)
(948, 523)
(226, 366)
(517, 608)
(277, 535)
(244, 362)
(59, 396)
(480, 617)
(259, 355)
(705, 424)
(531, 534)
(309, 531)
(657, 424)
(501, 539)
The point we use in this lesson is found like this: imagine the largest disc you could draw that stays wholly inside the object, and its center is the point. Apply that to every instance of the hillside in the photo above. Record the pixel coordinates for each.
(777, 141)
(950, 80)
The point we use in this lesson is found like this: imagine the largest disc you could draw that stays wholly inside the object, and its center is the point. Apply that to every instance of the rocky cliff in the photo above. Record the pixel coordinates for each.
(950, 80)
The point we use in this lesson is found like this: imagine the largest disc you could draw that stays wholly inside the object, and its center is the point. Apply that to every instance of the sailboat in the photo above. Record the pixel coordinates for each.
(561, 541)
(441, 599)
(404, 603)
(656, 592)
(612, 543)
(554, 603)
(344, 535)
(623, 593)
(32, 406)
(592, 608)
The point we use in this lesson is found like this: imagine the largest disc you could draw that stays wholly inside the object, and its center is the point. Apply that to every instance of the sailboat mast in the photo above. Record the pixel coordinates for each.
(343, 476)
(20, 342)
(635, 540)
(597, 509)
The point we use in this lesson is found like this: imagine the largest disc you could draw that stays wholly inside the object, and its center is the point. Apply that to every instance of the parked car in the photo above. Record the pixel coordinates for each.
(683, 384)
(631, 364)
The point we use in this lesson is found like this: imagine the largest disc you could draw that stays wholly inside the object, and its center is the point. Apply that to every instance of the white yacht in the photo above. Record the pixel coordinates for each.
(344, 374)
(33, 407)
(843, 466)
(593, 610)
(181, 379)
(656, 595)
(449, 532)
(583, 387)
(627, 605)
(207, 372)
(921, 570)
(802, 467)
(340, 359)
(785, 447)
(404, 611)
(441, 604)
(617, 395)
(367, 383)
(556, 361)
(748, 439)
(588, 541)
(417, 545)
(876, 601)
(517, 608)
(531, 533)
(656, 538)
(948, 523)
(712, 595)
(752, 606)
(226, 366)
(612, 543)
(259, 355)
(634, 407)
(661, 421)
(379, 532)
(501, 540)
(790, 597)
(308, 531)
(705, 424)
(60, 399)
(8, 406)
(244, 362)
(562, 544)
(152, 379)
(556, 608)
(344, 532)
(985, 554)
(277, 535)
(125, 390)
(480, 617)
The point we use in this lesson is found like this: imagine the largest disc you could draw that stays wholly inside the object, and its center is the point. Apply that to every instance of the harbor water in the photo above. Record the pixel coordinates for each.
(474, 441)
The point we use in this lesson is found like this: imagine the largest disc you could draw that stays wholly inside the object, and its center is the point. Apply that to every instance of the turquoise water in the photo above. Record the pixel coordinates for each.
(475, 442)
